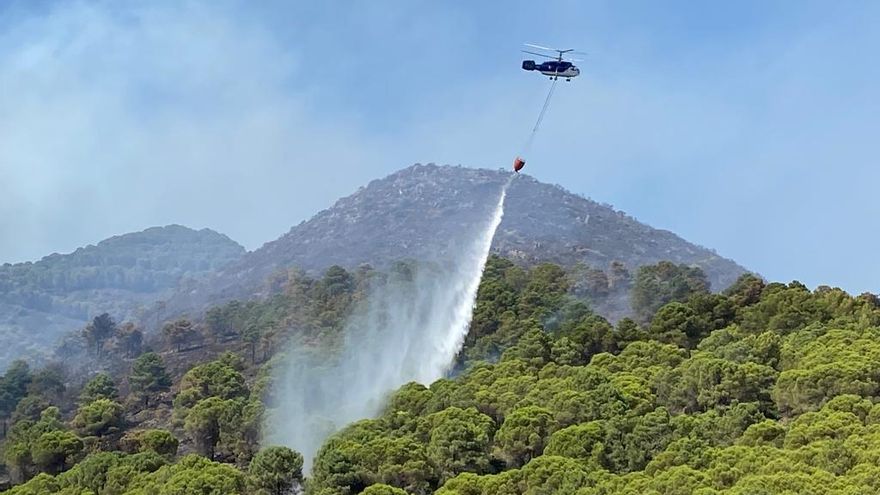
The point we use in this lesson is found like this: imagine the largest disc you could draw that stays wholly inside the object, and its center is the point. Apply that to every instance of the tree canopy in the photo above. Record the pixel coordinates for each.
(764, 388)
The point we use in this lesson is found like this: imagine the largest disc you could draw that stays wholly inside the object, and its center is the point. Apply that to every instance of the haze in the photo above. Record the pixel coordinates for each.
(748, 127)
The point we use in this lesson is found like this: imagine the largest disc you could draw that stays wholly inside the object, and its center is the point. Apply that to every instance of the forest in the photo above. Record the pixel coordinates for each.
(123, 275)
(763, 388)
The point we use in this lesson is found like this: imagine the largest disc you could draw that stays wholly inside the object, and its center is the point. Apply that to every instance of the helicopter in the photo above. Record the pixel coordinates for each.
(556, 67)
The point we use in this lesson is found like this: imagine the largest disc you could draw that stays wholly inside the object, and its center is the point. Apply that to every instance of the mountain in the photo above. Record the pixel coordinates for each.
(120, 275)
(428, 211)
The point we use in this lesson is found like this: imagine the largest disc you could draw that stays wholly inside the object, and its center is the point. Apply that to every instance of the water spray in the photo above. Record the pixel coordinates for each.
(406, 330)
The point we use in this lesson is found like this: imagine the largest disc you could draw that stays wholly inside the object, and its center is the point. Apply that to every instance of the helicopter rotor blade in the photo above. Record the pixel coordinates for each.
(538, 54)
(539, 47)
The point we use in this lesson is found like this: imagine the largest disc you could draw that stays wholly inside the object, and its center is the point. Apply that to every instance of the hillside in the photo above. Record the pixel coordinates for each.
(766, 388)
(39, 301)
(424, 211)
(769, 388)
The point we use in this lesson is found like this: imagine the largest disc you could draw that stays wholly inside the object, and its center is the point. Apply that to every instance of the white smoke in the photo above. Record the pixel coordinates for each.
(408, 329)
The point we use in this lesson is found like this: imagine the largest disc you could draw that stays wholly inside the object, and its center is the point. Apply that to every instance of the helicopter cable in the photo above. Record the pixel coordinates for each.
(528, 145)
(546, 105)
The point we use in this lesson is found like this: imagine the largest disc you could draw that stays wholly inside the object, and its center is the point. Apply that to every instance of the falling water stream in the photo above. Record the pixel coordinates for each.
(409, 329)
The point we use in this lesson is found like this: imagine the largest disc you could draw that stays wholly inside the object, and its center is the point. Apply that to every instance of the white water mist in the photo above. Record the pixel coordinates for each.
(408, 329)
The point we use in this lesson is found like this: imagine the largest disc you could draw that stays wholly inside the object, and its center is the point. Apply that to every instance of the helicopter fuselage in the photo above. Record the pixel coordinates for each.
(553, 68)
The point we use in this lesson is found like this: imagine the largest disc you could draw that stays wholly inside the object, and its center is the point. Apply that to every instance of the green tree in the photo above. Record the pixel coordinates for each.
(275, 471)
(218, 378)
(746, 290)
(628, 331)
(767, 432)
(99, 418)
(180, 333)
(99, 387)
(665, 282)
(131, 471)
(630, 443)
(208, 420)
(219, 322)
(21, 447)
(161, 442)
(90, 474)
(16, 379)
(30, 407)
(148, 377)
(99, 331)
(459, 441)
(17, 457)
(564, 351)
(268, 340)
(13, 388)
(544, 292)
(194, 475)
(411, 398)
(534, 347)
(592, 334)
(553, 475)
(383, 489)
(232, 360)
(55, 451)
(523, 435)
(463, 484)
(48, 382)
(41, 484)
(247, 422)
(129, 339)
(582, 441)
(251, 335)
(704, 382)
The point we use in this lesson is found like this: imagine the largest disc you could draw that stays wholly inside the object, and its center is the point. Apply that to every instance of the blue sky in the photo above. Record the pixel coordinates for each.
(747, 127)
